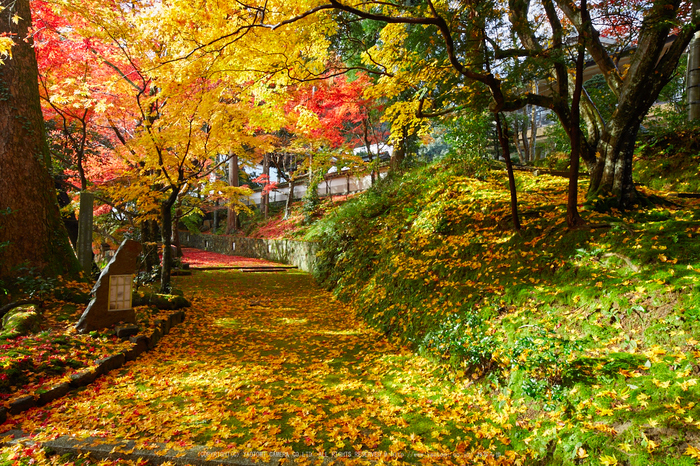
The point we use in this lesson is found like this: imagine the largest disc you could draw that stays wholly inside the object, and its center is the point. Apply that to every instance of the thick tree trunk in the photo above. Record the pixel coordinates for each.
(611, 174)
(232, 217)
(693, 71)
(32, 233)
(693, 82)
(166, 217)
(399, 154)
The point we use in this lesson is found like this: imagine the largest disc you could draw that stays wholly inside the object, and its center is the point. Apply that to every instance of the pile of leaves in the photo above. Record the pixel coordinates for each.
(196, 258)
(277, 226)
(269, 366)
(293, 226)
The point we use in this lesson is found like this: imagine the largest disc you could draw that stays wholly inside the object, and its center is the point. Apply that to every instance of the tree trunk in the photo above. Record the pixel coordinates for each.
(149, 241)
(32, 233)
(526, 144)
(232, 217)
(266, 194)
(399, 154)
(611, 176)
(573, 219)
(534, 124)
(176, 233)
(290, 197)
(166, 217)
(505, 146)
(516, 137)
(694, 78)
(70, 220)
(368, 148)
(215, 218)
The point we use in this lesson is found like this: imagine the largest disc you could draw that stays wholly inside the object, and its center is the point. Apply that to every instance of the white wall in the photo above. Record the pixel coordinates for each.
(332, 186)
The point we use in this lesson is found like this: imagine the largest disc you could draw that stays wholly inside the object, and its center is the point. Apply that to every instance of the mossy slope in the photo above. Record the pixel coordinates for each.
(595, 330)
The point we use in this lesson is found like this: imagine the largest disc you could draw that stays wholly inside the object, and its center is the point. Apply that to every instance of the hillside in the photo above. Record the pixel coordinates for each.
(587, 340)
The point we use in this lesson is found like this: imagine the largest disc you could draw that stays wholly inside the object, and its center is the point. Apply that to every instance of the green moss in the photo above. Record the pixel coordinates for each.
(669, 161)
(20, 321)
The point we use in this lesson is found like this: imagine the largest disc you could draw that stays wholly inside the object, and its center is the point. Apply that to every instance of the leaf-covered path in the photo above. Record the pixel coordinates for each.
(270, 363)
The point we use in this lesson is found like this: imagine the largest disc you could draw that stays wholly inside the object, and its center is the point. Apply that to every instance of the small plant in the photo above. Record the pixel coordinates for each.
(463, 340)
(29, 282)
(193, 220)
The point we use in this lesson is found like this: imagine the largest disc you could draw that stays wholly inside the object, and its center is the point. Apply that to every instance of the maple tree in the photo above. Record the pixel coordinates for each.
(173, 119)
(74, 84)
(326, 119)
(338, 109)
(468, 44)
(332, 112)
(609, 145)
(233, 180)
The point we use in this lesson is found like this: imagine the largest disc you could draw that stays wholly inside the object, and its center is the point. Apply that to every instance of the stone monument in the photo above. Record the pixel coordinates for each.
(111, 295)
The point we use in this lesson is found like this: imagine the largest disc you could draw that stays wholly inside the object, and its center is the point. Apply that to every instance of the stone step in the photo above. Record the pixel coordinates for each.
(249, 268)
(158, 453)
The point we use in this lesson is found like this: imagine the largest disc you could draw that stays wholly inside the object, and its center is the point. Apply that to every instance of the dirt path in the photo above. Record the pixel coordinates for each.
(270, 364)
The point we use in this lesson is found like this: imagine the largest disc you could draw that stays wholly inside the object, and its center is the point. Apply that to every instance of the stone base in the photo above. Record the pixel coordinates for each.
(90, 321)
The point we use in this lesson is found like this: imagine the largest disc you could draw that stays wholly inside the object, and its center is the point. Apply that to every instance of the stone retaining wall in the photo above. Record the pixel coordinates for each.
(299, 253)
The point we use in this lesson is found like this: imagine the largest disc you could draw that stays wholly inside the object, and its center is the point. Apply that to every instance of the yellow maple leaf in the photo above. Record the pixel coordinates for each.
(626, 447)
(660, 384)
(692, 452)
(608, 460)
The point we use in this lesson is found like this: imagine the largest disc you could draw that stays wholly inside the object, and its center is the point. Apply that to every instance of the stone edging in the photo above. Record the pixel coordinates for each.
(140, 344)
(157, 453)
